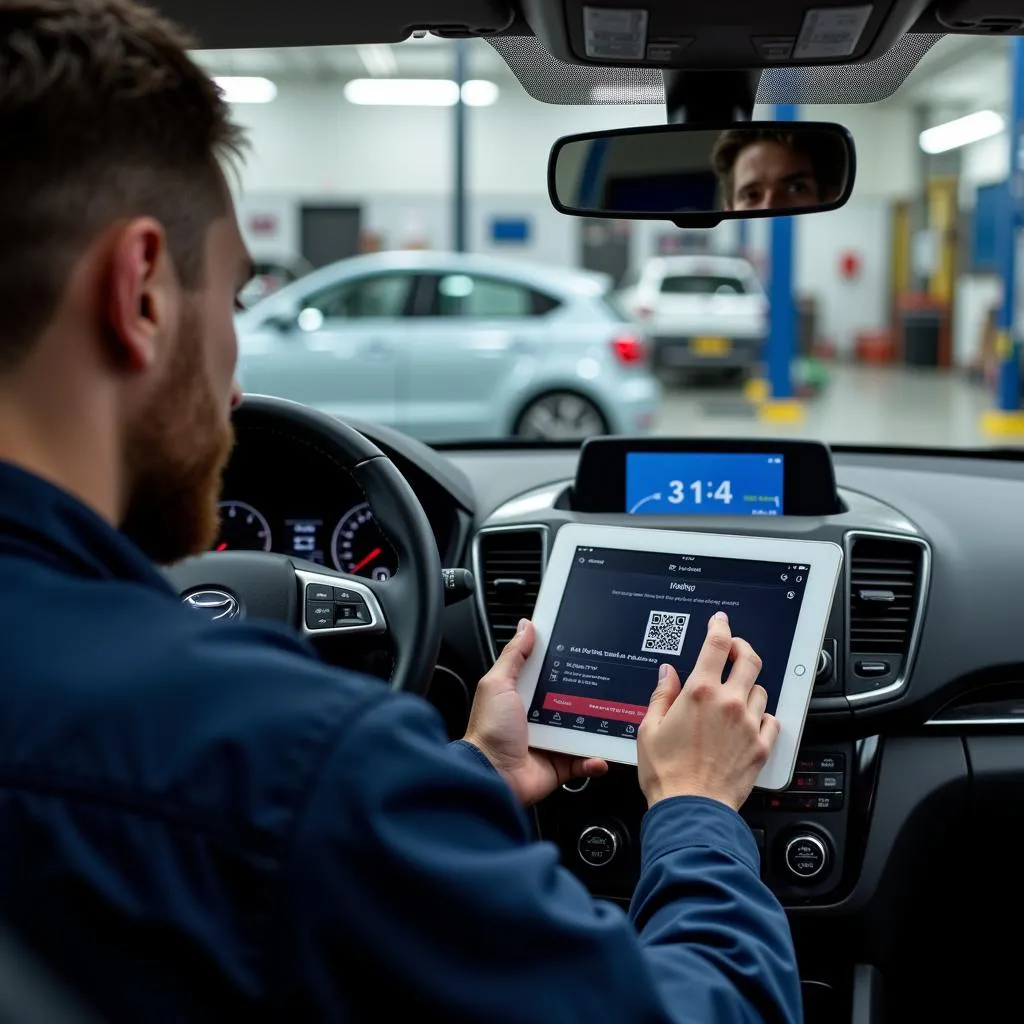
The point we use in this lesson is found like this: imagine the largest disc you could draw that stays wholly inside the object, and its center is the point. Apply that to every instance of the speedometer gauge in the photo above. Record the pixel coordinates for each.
(242, 528)
(358, 547)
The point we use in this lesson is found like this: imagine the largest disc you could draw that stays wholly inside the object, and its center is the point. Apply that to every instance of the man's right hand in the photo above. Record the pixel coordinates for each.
(707, 738)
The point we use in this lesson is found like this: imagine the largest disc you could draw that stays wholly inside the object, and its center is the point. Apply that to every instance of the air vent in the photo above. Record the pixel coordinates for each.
(885, 581)
(510, 563)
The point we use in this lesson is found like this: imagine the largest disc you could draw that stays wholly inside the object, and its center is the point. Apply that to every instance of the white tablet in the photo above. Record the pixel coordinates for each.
(616, 602)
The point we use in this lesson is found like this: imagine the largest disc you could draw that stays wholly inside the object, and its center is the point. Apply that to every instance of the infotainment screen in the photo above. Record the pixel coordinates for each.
(710, 477)
(705, 483)
(623, 613)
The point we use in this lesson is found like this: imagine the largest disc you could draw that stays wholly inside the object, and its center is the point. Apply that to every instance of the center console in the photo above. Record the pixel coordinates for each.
(802, 833)
(819, 839)
(815, 837)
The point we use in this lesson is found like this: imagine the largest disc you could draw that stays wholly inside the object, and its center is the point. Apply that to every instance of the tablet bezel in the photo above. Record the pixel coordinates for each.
(825, 559)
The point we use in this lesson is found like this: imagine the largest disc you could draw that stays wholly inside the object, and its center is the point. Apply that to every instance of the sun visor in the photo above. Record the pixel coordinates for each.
(227, 25)
(661, 34)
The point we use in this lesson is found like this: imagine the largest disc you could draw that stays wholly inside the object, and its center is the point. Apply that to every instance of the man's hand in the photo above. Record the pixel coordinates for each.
(710, 738)
(497, 727)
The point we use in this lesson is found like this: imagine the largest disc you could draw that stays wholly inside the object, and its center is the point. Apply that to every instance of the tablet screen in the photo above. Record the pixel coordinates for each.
(705, 483)
(624, 613)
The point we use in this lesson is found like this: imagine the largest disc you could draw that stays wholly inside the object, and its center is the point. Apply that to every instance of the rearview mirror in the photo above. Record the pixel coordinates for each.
(699, 175)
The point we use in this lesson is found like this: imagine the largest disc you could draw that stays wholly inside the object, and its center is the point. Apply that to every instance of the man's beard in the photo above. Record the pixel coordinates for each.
(176, 455)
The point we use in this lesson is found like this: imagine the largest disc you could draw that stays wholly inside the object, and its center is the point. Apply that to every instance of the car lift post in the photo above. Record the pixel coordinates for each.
(1006, 420)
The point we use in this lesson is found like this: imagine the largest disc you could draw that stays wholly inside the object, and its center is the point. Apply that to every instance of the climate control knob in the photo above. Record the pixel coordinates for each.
(598, 845)
(825, 666)
(806, 856)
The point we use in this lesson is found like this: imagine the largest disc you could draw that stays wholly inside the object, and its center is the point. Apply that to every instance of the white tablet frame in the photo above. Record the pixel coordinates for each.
(825, 560)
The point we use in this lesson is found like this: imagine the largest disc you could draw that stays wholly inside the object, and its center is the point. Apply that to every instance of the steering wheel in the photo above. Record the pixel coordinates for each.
(320, 602)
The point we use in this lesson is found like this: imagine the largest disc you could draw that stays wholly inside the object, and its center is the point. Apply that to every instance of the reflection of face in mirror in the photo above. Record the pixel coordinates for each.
(778, 170)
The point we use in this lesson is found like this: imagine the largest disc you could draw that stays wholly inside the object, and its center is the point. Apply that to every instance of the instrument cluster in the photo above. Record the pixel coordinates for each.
(353, 544)
(294, 501)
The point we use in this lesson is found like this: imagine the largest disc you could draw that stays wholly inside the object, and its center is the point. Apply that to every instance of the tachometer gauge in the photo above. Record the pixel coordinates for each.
(242, 528)
(358, 547)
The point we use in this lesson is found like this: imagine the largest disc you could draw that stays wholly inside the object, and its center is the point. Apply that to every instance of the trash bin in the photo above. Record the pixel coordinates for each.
(921, 329)
(921, 323)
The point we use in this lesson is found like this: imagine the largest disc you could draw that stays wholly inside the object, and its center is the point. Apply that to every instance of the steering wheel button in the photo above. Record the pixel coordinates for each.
(319, 593)
(345, 596)
(319, 615)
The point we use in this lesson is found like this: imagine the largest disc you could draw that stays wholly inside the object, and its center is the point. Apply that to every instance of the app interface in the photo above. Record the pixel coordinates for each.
(624, 613)
(704, 483)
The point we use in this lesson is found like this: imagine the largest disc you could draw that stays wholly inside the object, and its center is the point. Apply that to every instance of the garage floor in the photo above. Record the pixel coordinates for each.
(896, 406)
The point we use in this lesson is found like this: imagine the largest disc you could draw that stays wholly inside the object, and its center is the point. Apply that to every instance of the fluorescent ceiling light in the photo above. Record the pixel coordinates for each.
(419, 92)
(478, 92)
(378, 60)
(247, 90)
(961, 132)
(402, 92)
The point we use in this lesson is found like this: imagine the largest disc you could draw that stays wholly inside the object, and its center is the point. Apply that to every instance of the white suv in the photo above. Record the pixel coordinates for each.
(700, 312)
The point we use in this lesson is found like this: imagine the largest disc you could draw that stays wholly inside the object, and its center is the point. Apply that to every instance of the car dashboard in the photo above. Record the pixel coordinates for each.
(915, 734)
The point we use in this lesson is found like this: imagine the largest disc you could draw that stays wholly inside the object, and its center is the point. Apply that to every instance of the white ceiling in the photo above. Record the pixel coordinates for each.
(429, 57)
(959, 73)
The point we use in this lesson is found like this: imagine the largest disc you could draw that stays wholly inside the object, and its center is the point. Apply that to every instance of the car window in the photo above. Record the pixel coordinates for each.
(702, 284)
(384, 295)
(469, 295)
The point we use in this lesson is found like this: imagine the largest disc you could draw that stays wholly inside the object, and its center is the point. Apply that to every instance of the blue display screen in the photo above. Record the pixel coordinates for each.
(704, 483)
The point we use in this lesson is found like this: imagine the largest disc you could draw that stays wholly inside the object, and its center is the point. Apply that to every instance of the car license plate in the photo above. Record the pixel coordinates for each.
(711, 346)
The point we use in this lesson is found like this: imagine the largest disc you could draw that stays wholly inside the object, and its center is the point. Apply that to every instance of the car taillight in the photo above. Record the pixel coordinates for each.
(629, 349)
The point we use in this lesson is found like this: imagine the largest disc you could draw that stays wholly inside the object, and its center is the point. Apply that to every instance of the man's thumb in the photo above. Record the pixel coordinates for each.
(515, 652)
(666, 691)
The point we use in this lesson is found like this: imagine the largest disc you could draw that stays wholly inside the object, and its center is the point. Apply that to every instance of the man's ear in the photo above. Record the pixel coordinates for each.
(141, 295)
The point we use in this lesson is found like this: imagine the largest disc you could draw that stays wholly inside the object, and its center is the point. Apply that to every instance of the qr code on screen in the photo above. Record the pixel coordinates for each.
(666, 632)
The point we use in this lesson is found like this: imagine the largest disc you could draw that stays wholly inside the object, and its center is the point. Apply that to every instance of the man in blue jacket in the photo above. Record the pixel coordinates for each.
(202, 823)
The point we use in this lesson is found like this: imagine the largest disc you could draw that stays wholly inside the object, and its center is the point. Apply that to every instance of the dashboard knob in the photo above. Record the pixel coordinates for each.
(825, 665)
(806, 856)
(598, 845)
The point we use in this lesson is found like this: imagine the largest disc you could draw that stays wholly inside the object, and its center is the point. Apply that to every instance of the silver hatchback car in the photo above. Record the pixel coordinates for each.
(446, 346)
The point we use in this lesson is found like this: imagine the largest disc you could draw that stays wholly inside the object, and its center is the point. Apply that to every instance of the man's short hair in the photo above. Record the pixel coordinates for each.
(103, 117)
(825, 151)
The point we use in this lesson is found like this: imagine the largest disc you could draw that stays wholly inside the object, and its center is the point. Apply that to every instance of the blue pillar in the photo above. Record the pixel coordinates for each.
(1008, 385)
(782, 317)
(459, 184)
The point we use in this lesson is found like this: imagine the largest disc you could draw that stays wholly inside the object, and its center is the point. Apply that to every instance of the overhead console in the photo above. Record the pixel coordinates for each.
(671, 476)
(734, 34)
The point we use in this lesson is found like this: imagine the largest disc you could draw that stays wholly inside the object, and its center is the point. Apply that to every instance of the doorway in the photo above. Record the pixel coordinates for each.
(605, 247)
(330, 233)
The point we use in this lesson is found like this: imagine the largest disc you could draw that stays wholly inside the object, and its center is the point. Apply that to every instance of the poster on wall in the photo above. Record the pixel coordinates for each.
(510, 231)
(264, 225)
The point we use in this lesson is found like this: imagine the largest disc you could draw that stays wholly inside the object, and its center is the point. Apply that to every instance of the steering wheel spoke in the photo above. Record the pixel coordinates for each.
(335, 605)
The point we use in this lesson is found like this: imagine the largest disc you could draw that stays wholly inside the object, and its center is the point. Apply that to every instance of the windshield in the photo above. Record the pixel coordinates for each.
(413, 272)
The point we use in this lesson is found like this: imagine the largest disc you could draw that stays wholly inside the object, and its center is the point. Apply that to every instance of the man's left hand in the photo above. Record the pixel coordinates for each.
(497, 727)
